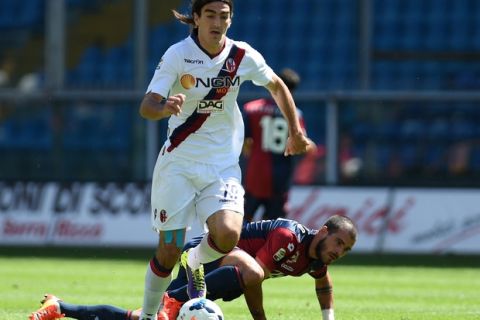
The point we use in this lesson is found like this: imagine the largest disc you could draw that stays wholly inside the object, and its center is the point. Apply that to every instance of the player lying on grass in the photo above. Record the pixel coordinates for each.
(267, 249)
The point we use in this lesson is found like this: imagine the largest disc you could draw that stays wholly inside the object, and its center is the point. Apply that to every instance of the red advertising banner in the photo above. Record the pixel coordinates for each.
(98, 214)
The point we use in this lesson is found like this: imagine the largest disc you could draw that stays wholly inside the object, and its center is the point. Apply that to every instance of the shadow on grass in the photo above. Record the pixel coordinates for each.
(144, 254)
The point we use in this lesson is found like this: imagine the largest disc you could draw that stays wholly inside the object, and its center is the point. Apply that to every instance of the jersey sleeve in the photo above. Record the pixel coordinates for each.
(281, 243)
(259, 72)
(166, 73)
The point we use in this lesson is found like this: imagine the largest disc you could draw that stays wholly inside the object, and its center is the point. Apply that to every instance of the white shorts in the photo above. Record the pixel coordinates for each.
(183, 190)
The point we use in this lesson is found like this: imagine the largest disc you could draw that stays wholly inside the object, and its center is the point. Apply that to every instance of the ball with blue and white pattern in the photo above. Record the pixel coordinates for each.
(200, 309)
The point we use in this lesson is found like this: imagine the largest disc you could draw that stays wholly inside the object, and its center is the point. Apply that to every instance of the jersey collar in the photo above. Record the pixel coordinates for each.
(195, 39)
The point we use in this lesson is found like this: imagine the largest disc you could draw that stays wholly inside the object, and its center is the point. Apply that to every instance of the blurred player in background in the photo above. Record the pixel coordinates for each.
(267, 249)
(268, 173)
(197, 173)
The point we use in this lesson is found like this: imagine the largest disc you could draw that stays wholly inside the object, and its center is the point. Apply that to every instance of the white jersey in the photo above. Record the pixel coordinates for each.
(210, 127)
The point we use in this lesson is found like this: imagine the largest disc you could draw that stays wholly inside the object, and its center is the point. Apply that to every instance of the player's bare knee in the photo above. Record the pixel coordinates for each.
(252, 275)
(251, 272)
(225, 227)
(225, 239)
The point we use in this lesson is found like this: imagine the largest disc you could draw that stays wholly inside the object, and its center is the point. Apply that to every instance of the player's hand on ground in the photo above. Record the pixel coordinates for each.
(297, 144)
(174, 104)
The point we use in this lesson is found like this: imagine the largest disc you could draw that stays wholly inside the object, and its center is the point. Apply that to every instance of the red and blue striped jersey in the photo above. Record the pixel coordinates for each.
(282, 246)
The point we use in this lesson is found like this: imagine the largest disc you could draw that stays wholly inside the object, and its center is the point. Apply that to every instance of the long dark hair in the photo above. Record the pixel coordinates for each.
(197, 6)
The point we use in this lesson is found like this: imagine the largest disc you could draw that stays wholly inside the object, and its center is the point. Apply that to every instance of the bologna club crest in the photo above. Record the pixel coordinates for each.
(162, 216)
(230, 65)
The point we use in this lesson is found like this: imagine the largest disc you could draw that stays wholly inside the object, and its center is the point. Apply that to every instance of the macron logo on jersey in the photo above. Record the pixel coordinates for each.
(193, 61)
(223, 83)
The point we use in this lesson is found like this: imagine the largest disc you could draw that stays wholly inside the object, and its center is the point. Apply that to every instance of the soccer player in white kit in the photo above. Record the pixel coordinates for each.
(197, 174)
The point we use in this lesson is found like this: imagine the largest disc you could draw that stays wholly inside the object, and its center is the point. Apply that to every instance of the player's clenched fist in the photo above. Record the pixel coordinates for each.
(174, 103)
(155, 107)
(298, 144)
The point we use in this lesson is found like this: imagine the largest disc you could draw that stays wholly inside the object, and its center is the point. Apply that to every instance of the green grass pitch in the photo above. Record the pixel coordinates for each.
(365, 288)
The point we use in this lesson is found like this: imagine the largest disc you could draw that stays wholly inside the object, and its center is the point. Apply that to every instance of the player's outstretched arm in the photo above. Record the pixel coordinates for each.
(324, 290)
(155, 107)
(254, 299)
(254, 295)
(297, 142)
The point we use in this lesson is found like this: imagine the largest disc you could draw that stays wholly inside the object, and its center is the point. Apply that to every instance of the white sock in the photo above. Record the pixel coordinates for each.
(203, 253)
(155, 286)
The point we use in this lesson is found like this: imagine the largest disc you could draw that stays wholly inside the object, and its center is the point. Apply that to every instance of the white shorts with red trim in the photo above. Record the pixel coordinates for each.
(183, 190)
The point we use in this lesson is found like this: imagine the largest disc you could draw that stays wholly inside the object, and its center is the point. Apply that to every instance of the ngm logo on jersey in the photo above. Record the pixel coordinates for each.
(220, 84)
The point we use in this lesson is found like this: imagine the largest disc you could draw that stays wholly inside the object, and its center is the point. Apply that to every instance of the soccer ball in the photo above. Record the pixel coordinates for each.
(200, 309)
